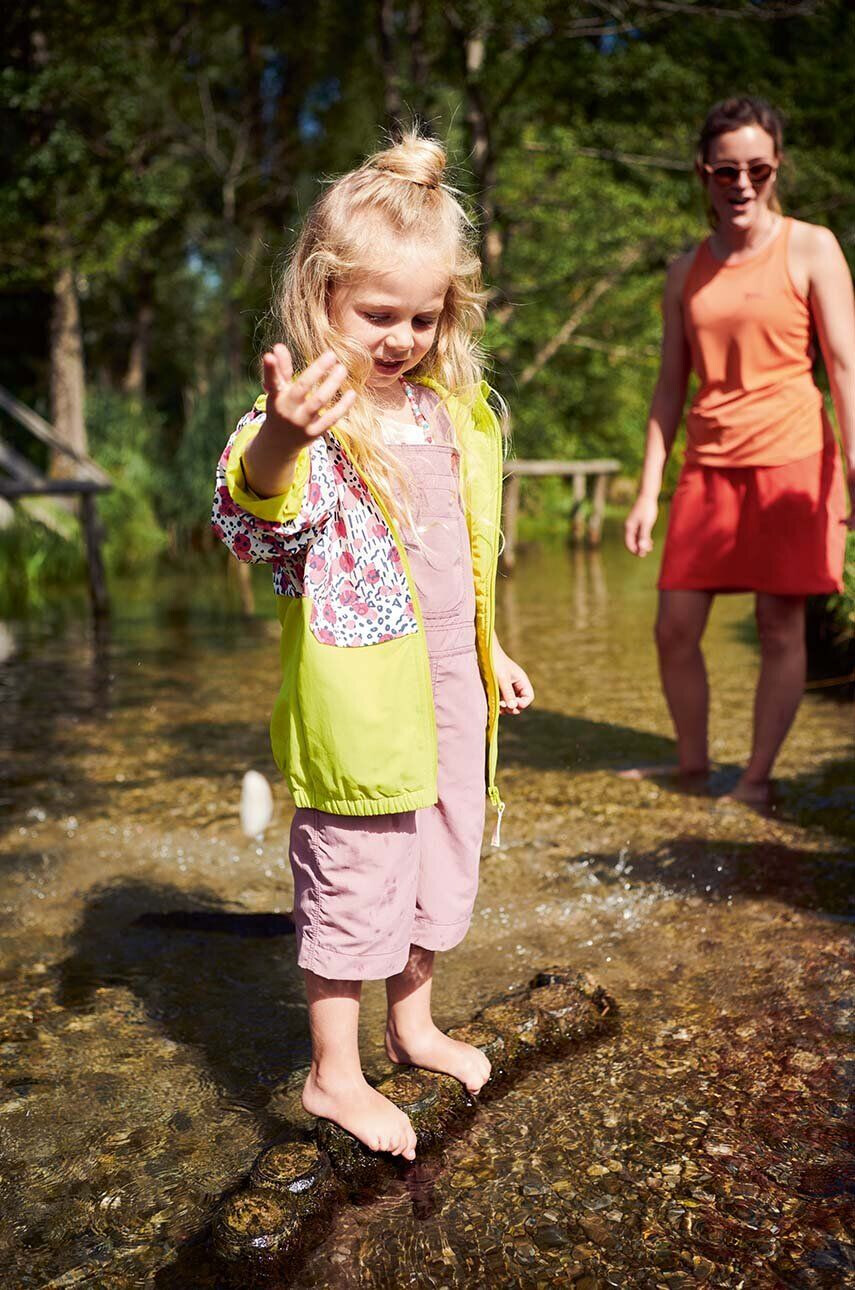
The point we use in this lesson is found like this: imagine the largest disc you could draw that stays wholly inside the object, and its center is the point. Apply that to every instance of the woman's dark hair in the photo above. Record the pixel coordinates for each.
(732, 114)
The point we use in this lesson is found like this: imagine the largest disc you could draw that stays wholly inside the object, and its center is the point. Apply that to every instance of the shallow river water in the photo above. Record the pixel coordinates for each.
(153, 1028)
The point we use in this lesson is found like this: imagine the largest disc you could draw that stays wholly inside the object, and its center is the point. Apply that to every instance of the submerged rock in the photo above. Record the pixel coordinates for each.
(294, 1186)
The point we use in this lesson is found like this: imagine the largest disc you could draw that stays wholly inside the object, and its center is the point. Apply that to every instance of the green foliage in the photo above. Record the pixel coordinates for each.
(188, 488)
(34, 561)
(125, 437)
(842, 606)
(167, 150)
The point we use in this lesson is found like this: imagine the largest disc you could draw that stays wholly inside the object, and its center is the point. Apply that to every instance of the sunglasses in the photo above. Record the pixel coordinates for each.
(727, 174)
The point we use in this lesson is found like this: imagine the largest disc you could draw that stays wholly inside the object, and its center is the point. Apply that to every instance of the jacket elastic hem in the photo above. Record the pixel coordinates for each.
(366, 805)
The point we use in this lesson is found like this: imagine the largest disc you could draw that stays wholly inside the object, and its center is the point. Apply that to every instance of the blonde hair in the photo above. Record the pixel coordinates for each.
(356, 228)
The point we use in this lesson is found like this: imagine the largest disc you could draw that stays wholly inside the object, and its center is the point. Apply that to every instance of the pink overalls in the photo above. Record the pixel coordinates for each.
(367, 888)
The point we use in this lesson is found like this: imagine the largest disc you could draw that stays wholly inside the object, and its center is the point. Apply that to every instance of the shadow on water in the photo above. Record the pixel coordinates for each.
(545, 740)
(823, 882)
(208, 976)
(200, 749)
(822, 798)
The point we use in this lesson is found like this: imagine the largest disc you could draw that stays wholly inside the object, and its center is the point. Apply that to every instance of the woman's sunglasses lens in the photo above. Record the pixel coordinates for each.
(726, 176)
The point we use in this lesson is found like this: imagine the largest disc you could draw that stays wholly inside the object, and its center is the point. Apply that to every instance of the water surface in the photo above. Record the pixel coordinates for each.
(153, 1027)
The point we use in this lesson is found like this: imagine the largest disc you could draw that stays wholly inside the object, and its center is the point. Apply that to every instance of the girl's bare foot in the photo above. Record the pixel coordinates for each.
(665, 772)
(357, 1107)
(434, 1051)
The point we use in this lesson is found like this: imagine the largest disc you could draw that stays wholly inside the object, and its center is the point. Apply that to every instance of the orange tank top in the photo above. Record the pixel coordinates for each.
(749, 332)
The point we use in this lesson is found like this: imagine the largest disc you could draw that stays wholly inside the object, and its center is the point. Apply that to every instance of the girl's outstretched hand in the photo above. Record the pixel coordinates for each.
(299, 410)
(639, 526)
(515, 689)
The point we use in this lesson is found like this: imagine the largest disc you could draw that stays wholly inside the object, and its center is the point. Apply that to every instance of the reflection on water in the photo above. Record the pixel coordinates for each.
(153, 1030)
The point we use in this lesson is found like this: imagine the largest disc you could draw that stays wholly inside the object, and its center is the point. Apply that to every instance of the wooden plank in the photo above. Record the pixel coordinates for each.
(510, 522)
(93, 533)
(604, 466)
(578, 512)
(598, 510)
(42, 430)
(18, 467)
(51, 487)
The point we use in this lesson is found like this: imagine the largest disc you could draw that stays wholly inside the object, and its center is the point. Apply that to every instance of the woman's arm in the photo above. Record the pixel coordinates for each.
(666, 409)
(832, 305)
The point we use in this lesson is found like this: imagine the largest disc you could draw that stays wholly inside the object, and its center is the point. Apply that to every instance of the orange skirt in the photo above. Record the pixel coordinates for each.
(776, 529)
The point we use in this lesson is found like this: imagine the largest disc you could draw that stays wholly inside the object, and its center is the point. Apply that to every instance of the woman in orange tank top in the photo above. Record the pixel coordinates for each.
(761, 504)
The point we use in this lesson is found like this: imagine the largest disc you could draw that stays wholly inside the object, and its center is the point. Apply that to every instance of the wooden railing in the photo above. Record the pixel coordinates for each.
(586, 521)
(22, 479)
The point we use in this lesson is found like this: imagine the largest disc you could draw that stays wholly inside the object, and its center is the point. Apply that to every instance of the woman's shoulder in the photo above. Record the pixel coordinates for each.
(677, 275)
(811, 240)
(679, 268)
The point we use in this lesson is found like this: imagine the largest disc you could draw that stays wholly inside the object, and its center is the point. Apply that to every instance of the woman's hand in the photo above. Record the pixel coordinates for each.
(515, 689)
(639, 526)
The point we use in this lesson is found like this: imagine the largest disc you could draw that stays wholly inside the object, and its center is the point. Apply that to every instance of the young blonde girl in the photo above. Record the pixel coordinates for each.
(371, 483)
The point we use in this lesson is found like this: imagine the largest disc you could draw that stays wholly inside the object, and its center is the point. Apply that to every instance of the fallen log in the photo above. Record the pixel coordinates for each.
(294, 1187)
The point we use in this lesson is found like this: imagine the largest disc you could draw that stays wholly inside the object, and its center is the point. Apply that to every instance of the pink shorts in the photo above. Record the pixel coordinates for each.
(366, 888)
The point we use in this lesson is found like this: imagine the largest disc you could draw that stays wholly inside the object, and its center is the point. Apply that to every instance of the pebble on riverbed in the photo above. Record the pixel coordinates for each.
(293, 1187)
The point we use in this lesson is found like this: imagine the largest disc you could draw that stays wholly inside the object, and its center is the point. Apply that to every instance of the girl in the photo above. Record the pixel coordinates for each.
(383, 538)
(760, 502)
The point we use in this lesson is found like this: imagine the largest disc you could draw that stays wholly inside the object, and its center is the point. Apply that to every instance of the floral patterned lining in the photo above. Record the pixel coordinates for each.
(338, 551)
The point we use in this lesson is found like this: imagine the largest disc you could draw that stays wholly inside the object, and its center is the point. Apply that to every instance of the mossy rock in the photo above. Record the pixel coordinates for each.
(574, 1017)
(524, 1029)
(256, 1227)
(599, 997)
(412, 1090)
(351, 1160)
(296, 1170)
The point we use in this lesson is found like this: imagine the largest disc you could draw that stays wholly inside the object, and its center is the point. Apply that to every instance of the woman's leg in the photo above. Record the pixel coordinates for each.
(412, 1037)
(680, 625)
(336, 1088)
(781, 629)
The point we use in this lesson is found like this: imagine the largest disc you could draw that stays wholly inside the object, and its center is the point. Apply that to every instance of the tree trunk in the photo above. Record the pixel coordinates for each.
(135, 374)
(67, 378)
(392, 101)
(481, 152)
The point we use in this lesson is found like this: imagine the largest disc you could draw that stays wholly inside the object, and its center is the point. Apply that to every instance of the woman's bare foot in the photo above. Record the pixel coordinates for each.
(434, 1051)
(367, 1114)
(680, 773)
(751, 792)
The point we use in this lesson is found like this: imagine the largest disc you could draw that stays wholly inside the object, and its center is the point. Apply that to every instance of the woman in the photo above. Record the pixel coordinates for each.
(760, 505)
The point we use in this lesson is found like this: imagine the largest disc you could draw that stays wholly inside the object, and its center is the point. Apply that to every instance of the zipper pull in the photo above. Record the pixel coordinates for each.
(496, 839)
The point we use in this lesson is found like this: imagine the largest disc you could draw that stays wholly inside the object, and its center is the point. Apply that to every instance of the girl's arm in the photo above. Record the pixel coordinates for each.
(666, 409)
(274, 480)
(515, 689)
(833, 309)
(298, 412)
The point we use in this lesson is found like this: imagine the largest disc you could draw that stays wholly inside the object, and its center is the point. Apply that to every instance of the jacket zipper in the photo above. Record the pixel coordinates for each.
(413, 596)
(492, 756)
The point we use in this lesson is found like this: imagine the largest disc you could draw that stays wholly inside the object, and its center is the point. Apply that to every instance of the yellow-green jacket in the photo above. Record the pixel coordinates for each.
(353, 727)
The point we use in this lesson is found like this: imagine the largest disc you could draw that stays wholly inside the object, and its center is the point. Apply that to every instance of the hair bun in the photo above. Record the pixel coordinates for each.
(421, 161)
